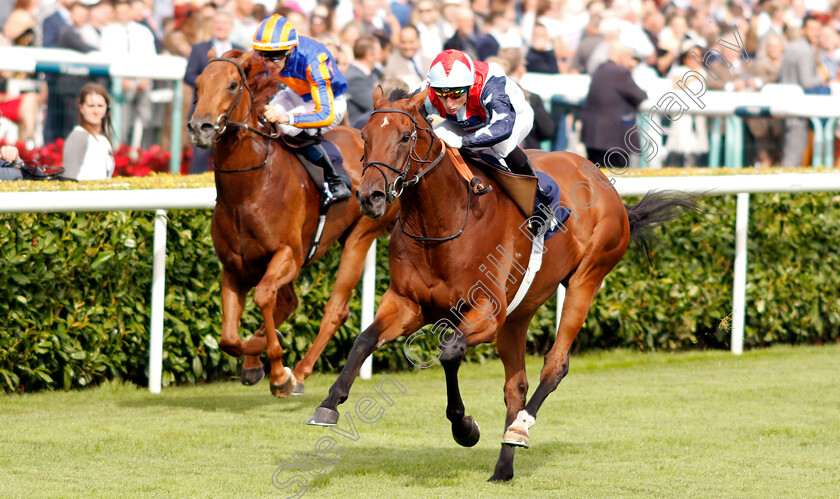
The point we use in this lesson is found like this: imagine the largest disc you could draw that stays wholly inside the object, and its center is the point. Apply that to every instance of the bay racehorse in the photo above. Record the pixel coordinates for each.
(266, 214)
(457, 261)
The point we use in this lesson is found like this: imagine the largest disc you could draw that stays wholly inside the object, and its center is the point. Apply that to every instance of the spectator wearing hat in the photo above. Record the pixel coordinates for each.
(99, 16)
(184, 34)
(197, 62)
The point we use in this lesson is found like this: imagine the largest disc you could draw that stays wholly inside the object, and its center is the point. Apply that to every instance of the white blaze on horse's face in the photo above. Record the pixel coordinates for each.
(384, 123)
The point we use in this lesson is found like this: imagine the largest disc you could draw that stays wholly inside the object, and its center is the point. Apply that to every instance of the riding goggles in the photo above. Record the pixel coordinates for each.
(275, 55)
(451, 93)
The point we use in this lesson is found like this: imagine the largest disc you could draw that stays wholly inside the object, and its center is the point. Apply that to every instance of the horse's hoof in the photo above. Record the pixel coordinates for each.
(284, 389)
(516, 437)
(298, 388)
(250, 377)
(500, 477)
(323, 416)
(472, 435)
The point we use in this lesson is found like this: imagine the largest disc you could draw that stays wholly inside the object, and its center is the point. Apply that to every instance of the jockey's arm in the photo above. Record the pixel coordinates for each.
(322, 97)
(501, 116)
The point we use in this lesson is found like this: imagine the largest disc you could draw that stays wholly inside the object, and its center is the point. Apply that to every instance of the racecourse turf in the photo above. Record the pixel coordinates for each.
(622, 424)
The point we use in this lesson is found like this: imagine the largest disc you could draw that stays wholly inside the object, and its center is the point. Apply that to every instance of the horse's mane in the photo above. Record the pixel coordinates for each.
(262, 82)
(398, 94)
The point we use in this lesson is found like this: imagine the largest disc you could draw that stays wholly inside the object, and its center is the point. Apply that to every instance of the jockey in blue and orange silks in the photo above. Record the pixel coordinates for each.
(313, 99)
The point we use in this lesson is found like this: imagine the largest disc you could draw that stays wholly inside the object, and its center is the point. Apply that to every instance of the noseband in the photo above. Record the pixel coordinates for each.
(223, 121)
(395, 190)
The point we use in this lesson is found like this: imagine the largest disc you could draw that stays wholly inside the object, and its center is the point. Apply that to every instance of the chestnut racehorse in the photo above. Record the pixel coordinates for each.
(457, 261)
(266, 213)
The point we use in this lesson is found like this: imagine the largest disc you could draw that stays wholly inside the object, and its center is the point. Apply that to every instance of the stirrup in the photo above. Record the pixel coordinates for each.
(339, 192)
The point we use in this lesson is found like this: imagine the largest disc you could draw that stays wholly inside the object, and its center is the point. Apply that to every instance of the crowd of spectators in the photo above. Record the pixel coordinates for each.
(788, 41)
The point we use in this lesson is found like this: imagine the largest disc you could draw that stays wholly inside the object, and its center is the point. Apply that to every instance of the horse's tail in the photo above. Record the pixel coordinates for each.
(654, 210)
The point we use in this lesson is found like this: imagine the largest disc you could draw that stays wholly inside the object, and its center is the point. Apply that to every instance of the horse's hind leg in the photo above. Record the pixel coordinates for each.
(579, 295)
(338, 306)
(281, 270)
(252, 366)
(511, 347)
(396, 316)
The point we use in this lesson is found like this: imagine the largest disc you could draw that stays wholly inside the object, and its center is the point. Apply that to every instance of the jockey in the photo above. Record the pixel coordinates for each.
(484, 109)
(313, 99)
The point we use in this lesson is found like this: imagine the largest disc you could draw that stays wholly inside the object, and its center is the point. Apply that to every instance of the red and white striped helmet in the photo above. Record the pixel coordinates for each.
(452, 69)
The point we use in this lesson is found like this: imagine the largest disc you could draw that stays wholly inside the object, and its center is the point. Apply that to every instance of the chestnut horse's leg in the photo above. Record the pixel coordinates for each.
(579, 295)
(511, 347)
(281, 270)
(396, 317)
(233, 302)
(252, 366)
(465, 430)
(338, 307)
(481, 324)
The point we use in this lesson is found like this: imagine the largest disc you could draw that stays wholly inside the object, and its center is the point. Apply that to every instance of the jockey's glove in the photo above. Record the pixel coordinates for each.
(450, 138)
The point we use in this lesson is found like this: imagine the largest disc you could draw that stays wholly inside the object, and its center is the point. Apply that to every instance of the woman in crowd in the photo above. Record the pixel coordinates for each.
(87, 151)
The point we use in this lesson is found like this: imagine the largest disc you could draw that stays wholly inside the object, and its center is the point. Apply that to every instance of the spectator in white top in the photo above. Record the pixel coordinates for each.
(87, 152)
(128, 38)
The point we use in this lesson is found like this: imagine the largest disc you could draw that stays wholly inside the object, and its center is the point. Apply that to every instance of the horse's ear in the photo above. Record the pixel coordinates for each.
(211, 54)
(419, 98)
(379, 97)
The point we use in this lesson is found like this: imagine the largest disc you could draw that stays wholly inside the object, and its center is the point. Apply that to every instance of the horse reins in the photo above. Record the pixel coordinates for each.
(401, 183)
(222, 122)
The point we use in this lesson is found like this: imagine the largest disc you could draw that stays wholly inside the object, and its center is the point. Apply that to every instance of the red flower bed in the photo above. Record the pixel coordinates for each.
(129, 161)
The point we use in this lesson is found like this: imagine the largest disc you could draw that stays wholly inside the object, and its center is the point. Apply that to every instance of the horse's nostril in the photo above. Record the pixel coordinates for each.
(189, 127)
(376, 197)
(206, 127)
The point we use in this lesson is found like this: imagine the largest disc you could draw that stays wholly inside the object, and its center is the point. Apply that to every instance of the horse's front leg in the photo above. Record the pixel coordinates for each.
(233, 302)
(397, 316)
(479, 325)
(281, 270)
(338, 307)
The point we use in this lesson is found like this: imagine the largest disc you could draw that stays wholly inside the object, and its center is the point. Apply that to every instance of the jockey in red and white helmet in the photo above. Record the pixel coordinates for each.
(484, 109)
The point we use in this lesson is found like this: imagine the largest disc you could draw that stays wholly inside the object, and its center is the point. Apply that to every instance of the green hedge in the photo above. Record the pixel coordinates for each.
(75, 292)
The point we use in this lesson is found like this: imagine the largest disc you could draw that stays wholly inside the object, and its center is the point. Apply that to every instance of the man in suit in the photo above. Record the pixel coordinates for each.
(362, 76)
(222, 27)
(55, 121)
(609, 110)
(408, 63)
(799, 67)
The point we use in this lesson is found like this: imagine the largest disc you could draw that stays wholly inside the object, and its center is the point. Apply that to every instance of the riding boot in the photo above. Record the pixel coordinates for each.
(519, 163)
(334, 188)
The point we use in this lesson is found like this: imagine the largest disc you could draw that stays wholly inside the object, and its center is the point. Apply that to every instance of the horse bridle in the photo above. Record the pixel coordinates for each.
(223, 121)
(395, 189)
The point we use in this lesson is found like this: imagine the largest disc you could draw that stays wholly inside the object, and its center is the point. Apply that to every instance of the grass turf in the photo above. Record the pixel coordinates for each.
(622, 424)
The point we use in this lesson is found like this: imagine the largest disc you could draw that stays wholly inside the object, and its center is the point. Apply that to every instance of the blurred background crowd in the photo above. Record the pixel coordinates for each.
(392, 42)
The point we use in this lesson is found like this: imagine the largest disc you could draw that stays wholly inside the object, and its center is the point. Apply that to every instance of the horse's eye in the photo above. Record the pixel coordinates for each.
(406, 136)
(232, 86)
